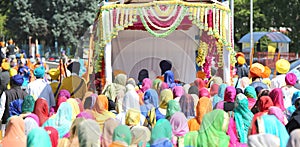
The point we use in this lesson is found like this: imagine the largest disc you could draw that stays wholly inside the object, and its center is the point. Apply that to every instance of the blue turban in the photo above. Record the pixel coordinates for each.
(296, 96)
(39, 72)
(17, 80)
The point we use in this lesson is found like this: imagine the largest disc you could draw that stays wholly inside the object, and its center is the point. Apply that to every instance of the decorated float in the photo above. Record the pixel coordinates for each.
(196, 37)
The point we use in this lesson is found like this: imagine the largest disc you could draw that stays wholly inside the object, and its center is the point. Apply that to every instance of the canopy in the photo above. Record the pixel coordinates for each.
(273, 36)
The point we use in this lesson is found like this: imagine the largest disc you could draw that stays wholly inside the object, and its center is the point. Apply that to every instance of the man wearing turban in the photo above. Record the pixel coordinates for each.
(242, 67)
(288, 90)
(282, 67)
(10, 95)
(4, 76)
(258, 71)
(39, 88)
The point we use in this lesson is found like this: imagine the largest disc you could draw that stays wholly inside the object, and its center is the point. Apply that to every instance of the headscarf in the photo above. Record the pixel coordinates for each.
(277, 98)
(140, 134)
(245, 81)
(15, 133)
(203, 92)
(74, 132)
(179, 125)
(35, 117)
(193, 90)
(150, 101)
(147, 83)
(204, 106)
(199, 83)
(290, 79)
(169, 79)
(59, 101)
(164, 142)
(104, 101)
(64, 93)
(178, 91)
(121, 79)
(162, 129)
(28, 104)
(15, 107)
(163, 86)
(132, 117)
(62, 120)
(131, 81)
(294, 140)
(230, 94)
(220, 96)
(266, 140)
(79, 104)
(187, 105)
(172, 107)
(41, 110)
(165, 96)
(86, 115)
(89, 133)
(122, 134)
(156, 84)
(278, 113)
(99, 106)
(38, 137)
(243, 117)
(186, 88)
(75, 107)
(108, 130)
(53, 134)
(214, 89)
(250, 92)
(30, 124)
(264, 103)
(131, 100)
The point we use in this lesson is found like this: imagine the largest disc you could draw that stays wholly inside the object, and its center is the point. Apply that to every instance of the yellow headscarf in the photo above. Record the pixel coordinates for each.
(165, 96)
(75, 107)
(133, 117)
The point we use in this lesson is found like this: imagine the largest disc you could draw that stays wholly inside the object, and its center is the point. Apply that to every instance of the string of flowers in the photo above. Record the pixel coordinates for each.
(207, 66)
(202, 52)
(163, 19)
(167, 12)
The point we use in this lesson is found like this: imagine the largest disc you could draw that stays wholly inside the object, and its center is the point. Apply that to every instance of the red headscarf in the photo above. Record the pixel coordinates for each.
(53, 135)
(199, 83)
(59, 101)
(277, 98)
(41, 109)
(214, 89)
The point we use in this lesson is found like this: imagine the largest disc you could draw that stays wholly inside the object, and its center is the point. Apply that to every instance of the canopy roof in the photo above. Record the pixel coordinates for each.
(273, 36)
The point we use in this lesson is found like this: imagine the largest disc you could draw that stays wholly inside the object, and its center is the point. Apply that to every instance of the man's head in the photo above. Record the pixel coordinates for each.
(39, 72)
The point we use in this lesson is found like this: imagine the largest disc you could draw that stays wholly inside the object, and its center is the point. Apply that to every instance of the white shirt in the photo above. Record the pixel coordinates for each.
(2, 104)
(278, 81)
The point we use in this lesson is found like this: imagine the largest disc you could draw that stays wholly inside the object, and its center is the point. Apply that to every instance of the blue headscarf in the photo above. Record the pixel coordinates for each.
(150, 101)
(273, 126)
(15, 107)
(220, 96)
(243, 117)
(169, 78)
(250, 92)
(62, 120)
(292, 108)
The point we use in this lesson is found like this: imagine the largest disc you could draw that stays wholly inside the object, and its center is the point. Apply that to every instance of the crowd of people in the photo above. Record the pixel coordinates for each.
(61, 111)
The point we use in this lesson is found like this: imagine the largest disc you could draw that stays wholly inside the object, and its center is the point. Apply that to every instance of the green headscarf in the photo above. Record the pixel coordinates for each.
(38, 137)
(122, 133)
(250, 92)
(28, 104)
(172, 107)
(162, 129)
(243, 117)
(213, 129)
(156, 84)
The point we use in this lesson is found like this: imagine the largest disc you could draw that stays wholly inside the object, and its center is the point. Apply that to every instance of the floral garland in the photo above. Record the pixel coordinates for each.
(161, 35)
(202, 52)
(163, 19)
(207, 66)
(167, 12)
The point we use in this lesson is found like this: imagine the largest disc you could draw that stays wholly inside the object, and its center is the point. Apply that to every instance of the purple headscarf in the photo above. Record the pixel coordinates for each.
(278, 113)
(230, 94)
(179, 125)
(290, 79)
(178, 91)
(85, 115)
(64, 93)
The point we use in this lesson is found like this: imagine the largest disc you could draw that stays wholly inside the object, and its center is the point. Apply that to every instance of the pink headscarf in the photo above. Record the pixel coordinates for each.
(199, 83)
(64, 93)
(214, 89)
(178, 91)
(203, 92)
(85, 115)
(35, 117)
(230, 94)
(164, 85)
(146, 84)
(179, 125)
(278, 113)
(290, 79)
(277, 98)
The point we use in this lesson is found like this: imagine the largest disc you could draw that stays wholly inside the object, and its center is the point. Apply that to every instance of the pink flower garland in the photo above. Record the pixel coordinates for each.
(164, 24)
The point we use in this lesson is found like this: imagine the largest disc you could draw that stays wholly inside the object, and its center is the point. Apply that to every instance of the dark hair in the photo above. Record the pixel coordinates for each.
(87, 103)
(74, 67)
(263, 92)
(297, 103)
(239, 90)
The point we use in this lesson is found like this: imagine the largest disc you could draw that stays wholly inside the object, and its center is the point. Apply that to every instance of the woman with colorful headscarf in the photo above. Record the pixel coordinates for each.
(165, 96)
(150, 101)
(169, 79)
(140, 136)
(199, 83)
(75, 108)
(220, 96)
(213, 90)
(62, 120)
(53, 135)
(180, 127)
(204, 106)
(212, 132)
(146, 84)
(131, 99)
(172, 107)
(30, 124)
(41, 110)
(133, 117)
(121, 137)
(278, 113)
(229, 97)
(27, 106)
(59, 101)
(250, 93)
(161, 133)
(15, 133)
(194, 92)
(243, 117)
(203, 92)
(38, 137)
(156, 85)
(178, 91)
(89, 133)
(74, 132)
(266, 140)
(264, 103)
(277, 98)
(187, 105)
(116, 90)
(108, 130)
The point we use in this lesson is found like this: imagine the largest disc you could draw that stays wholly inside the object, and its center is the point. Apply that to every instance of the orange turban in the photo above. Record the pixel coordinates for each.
(241, 60)
(266, 73)
(5, 65)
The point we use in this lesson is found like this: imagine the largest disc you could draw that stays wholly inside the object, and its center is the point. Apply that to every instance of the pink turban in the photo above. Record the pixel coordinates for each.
(290, 79)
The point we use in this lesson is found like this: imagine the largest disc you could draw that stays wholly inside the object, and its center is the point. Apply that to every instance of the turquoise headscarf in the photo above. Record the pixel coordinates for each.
(243, 117)
(220, 96)
(28, 104)
(162, 129)
(62, 120)
(122, 133)
(250, 92)
(38, 137)
(273, 126)
(292, 108)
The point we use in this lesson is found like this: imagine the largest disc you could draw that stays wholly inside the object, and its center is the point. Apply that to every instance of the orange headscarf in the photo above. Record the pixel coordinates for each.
(15, 133)
(99, 105)
(104, 101)
(204, 106)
